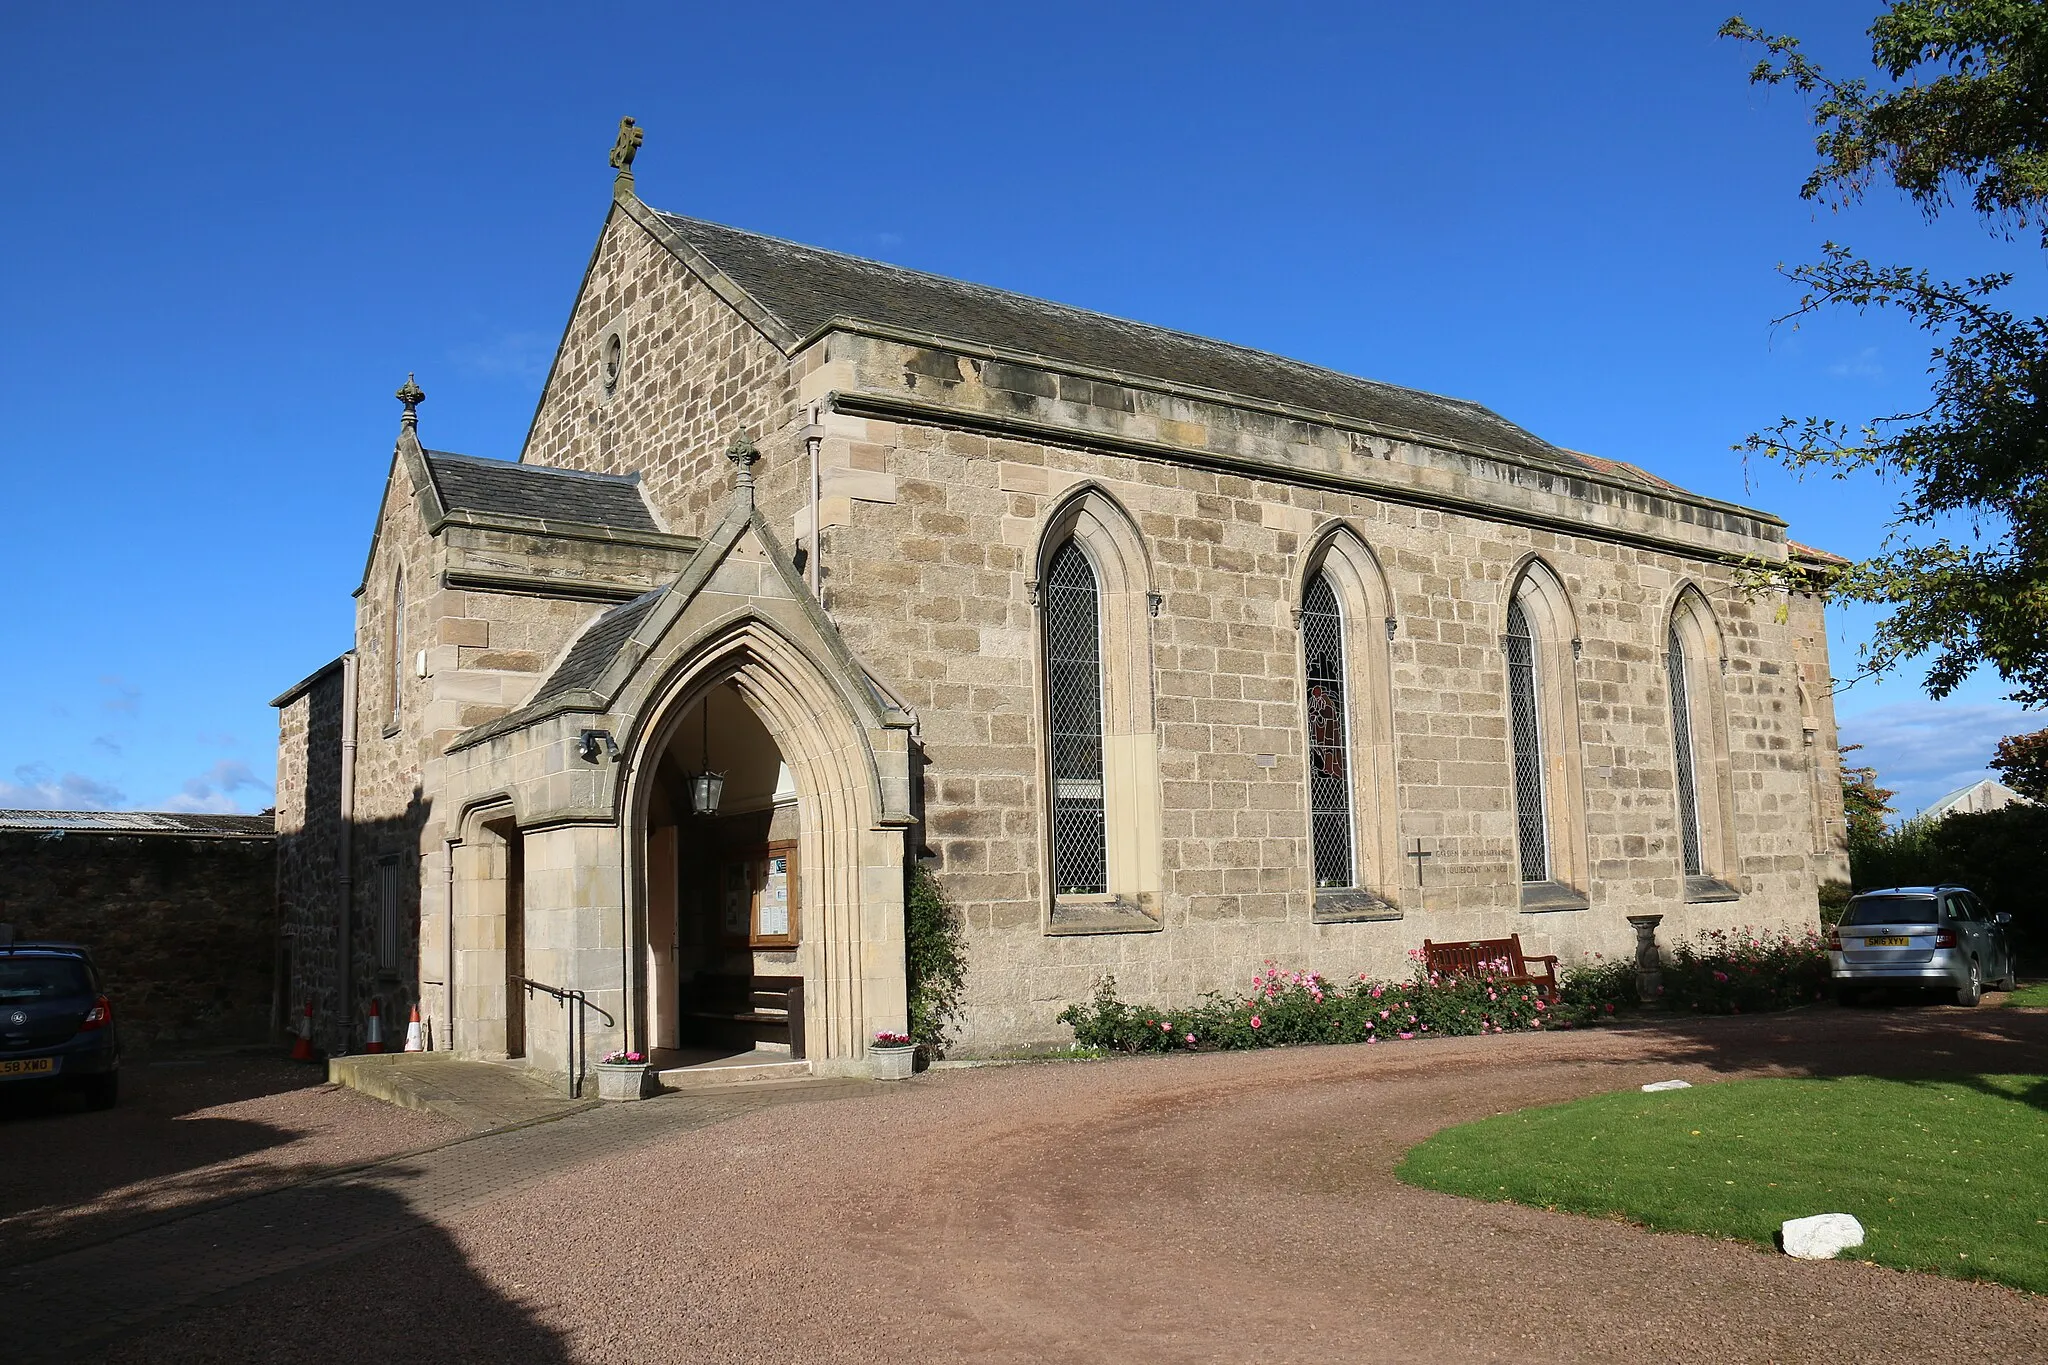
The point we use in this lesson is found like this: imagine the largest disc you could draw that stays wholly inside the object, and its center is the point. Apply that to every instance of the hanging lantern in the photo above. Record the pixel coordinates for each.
(705, 791)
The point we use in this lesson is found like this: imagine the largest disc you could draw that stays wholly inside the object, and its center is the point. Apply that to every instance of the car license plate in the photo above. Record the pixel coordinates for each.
(1893, 941)
(31, 1066)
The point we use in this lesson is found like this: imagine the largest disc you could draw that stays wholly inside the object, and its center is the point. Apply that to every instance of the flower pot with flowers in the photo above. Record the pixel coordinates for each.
(892, 1055)
(623, 1075)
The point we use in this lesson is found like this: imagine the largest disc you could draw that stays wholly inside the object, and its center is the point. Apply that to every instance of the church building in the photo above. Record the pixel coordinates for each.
(1166, 657)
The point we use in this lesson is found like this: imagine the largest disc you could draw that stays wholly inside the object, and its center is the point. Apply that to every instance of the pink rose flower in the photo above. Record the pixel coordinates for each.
(1255, 1021)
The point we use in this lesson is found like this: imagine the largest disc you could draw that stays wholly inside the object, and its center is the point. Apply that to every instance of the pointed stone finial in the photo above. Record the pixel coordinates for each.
(743, 454)
(412, 395)
(623, 152)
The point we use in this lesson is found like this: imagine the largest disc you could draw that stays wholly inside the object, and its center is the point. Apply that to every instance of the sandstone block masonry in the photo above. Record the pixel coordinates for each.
(925, 449)
(182, 924)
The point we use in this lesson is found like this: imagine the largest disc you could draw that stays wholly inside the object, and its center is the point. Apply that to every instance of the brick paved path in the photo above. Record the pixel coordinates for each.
(53, 1306)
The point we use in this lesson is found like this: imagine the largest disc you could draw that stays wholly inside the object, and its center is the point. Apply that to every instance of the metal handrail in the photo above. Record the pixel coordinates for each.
(579, 1030)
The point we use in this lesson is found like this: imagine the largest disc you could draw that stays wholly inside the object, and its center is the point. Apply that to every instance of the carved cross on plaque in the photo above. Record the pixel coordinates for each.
(1418, 855)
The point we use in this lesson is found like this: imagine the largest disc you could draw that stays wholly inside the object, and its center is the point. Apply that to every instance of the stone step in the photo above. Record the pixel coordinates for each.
(478, 1095)
(732, 1071)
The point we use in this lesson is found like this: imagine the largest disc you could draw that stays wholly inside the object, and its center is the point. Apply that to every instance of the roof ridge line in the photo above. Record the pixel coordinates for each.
(495, 462)
(1176, 332)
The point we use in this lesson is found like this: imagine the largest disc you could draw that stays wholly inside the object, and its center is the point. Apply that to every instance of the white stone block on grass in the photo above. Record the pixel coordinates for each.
(1668, 1085)
(1822, 1236)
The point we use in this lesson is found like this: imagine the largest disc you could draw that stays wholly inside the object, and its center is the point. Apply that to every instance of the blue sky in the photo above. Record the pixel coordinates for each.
(232, 230)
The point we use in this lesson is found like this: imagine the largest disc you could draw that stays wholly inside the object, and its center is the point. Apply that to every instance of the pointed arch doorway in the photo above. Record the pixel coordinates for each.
(795, 881)
(725, 886)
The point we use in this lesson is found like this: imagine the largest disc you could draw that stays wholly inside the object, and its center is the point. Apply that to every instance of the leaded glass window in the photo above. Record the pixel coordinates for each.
(1681, 738)
(1329, 748)
(1073, 676)
(1525, 722)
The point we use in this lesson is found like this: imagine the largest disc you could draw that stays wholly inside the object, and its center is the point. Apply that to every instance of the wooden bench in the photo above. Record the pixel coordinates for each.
(767, 1008)
(1500, 958)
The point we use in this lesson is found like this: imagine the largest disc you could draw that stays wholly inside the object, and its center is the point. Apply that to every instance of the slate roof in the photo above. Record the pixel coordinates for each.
(594, 650)
(470, 483)
(805, 288)
(262, 826)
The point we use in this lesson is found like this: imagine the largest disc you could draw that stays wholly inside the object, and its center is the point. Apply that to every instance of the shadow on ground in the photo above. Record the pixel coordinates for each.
(286, 1294)
(188, 1132)
(1912, 1042)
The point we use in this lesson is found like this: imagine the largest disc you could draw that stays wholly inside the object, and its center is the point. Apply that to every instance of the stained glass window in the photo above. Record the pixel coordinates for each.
(1329, 747)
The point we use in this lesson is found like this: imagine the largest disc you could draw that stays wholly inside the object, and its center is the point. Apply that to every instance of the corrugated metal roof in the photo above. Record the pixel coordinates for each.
(139, 822)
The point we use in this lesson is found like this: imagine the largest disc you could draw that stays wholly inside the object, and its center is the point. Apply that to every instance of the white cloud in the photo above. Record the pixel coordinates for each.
(127, 699)
(511, 355)
(1863, 365)
(1924, 750)
(211, 793)
(35, 787)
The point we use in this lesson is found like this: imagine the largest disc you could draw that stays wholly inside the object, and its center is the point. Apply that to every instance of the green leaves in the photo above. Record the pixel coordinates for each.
(1965, 569)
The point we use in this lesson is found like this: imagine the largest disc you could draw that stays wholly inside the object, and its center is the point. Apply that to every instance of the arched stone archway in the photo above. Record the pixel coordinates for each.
(845, 937)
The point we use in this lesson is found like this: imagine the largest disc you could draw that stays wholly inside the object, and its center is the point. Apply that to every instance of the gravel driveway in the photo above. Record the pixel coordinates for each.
(188, 1131)
(1219, 1207)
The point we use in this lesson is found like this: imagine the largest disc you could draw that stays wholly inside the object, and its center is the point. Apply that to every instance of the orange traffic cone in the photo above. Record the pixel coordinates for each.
(302, 1050)
(376, 1027)
(412, 1033)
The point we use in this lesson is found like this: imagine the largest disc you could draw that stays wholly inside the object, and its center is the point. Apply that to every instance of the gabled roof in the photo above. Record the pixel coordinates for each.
(262, 826)
(807, 290)
(584, 665)
(470, 484)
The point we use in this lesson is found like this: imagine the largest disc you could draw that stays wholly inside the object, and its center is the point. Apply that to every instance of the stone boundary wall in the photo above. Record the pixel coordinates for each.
(184, 929)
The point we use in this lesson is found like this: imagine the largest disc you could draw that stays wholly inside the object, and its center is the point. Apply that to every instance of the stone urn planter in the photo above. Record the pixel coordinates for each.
(624, 1077)
(892, 1056)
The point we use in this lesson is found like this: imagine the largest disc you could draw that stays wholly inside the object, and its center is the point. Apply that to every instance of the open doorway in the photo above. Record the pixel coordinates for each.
(725, 890)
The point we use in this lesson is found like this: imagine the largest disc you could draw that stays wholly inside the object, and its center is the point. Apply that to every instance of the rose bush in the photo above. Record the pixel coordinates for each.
(1289, 1007)
(1743, 971)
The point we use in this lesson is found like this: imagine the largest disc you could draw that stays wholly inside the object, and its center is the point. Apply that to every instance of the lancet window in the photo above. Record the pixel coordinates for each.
(1073, 653)
(1525, 721)
(1329, 736)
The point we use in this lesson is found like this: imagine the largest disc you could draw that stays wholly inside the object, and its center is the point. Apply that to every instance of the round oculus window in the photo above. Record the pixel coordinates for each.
(614, 361)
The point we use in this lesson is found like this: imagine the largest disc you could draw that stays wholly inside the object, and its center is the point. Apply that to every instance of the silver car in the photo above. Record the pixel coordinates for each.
(1927, 936)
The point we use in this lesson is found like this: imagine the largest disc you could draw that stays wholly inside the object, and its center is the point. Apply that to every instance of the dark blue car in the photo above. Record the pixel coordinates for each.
(56, 1023)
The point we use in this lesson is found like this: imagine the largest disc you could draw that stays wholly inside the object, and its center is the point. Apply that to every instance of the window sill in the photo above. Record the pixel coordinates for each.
(1541, 898)
(1100, 915)
(1707, 890)
(391, 731)
(1351, 906)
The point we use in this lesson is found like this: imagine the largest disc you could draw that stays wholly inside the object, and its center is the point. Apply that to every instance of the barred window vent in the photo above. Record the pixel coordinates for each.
(1073, 653)
(387, 915)
(1531, 820)
(1329, 748)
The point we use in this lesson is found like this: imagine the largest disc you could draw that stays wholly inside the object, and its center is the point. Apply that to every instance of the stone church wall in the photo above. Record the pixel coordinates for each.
(940, 474)
(932, 588)
(308, 849)
(694, 373)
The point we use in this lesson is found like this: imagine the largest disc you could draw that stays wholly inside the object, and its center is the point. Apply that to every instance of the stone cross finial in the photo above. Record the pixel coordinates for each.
(743, 454)
(412, 395)
(623, 151)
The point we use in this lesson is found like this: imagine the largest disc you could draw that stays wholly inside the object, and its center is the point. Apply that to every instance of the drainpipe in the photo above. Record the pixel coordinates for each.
(448, 942)
(345, 875)
(814, 436)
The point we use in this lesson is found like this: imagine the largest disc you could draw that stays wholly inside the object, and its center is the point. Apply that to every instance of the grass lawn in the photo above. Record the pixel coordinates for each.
(2030, 997)
(1947, 1175)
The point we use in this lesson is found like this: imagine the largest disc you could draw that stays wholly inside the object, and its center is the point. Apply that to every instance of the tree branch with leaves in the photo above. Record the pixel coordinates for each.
(1963, 571)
